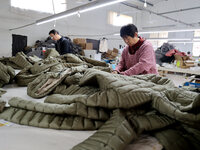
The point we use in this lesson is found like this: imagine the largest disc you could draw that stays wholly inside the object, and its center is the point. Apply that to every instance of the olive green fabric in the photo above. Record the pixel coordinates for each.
(115, 134)
(144, 103)
(106, 69)
(149, 121)
(51, 53)
(71, 58)
(2, 102)
(54, 64)
(30, 73)
(24, 77)
(46, 83)
(44, 120)
(6, 61)
(2, 91)
(20, 60)
(94, 62)
(63, 89)
(51, 63)
(2, 105)
(76, 109)
(180, 137)
(73, 79)
(33, 59)
(7, 74)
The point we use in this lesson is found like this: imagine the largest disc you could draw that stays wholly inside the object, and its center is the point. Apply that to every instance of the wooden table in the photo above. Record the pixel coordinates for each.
(163, 70)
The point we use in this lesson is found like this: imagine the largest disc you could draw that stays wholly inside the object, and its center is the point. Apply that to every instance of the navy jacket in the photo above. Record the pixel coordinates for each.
(63, 46)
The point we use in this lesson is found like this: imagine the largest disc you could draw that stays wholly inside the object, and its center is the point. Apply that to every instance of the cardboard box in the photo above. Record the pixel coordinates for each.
(82, 45)
(180, 61)
(114, 54)
(183, 58)
(79, 40)
(115, 50)
(89, 46)
(189, 64)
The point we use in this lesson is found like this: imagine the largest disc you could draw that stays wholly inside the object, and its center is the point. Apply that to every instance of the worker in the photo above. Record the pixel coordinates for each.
(138, 57)
(62, 44)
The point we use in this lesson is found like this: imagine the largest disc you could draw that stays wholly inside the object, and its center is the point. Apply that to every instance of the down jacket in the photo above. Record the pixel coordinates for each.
(120, 107)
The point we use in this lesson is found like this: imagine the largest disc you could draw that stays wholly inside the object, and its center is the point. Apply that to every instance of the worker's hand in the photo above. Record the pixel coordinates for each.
(114, 72)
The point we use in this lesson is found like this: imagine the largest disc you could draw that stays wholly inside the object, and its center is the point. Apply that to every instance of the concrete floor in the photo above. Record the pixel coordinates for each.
(178, 80)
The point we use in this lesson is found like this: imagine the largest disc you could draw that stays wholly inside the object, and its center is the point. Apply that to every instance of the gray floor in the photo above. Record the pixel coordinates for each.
(178, 80)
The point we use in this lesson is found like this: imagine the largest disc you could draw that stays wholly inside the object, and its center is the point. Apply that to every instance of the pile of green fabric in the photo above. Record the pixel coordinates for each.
(120, 107)
(2, 102)
(7, 74)
(82, 94)
(20, 61)
(56, 65)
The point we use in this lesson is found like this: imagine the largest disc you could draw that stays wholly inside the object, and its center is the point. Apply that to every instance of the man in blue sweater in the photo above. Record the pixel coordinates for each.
(62, 45)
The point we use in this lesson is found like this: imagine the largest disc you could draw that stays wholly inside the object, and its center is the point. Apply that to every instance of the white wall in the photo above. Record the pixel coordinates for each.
(187, 47)
(94, 23)
(90, 23)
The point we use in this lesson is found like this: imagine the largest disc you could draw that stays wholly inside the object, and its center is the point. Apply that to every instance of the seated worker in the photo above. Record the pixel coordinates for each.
(138, 57)
(62, 44)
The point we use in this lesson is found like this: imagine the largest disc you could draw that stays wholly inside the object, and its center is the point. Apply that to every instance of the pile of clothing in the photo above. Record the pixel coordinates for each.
(82, 94)
(160, 54)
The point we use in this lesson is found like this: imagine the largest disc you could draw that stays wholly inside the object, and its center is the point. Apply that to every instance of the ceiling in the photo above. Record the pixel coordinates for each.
(173, 13)
(158, 13)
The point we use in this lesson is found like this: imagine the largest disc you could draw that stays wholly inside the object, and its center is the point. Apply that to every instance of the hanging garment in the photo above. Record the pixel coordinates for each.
(103, 46)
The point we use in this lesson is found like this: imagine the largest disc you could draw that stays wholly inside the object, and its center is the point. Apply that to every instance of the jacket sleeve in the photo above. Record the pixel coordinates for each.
(145, 62)
(121, 65)
(65, 47)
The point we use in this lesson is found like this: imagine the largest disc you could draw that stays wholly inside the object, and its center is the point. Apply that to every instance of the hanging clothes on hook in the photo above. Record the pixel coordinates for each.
(103, 46)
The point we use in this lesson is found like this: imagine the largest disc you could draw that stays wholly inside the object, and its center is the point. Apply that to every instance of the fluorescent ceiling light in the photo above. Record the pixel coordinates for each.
(178, 30)
(102, 5)
(161, 39)
(53, 19)
(164, 39)
(161, 31)
(145, 3)
(81, 9)
(185, 42)
(196, 39)
(149, 32)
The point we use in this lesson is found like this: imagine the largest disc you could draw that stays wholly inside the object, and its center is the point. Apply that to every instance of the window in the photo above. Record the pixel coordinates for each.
(116, 19)
(157, 43)
(163, 35)
(157, 39)
(40, 5)
(196, 49)
(197, 33)
(153, 35)
(159, 35)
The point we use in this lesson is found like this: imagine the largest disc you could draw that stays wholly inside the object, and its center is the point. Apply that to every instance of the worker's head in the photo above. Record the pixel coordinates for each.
(54, 35)
(129, 33)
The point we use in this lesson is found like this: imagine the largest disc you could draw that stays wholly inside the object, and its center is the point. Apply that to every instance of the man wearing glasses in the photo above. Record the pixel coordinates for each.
(62, 44)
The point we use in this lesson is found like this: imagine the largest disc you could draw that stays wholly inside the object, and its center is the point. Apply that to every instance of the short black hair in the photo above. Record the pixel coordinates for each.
(53, 32)
(128, 30)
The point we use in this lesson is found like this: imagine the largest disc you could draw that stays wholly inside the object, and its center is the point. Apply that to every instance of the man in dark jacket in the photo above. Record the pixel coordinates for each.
(62, 45)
